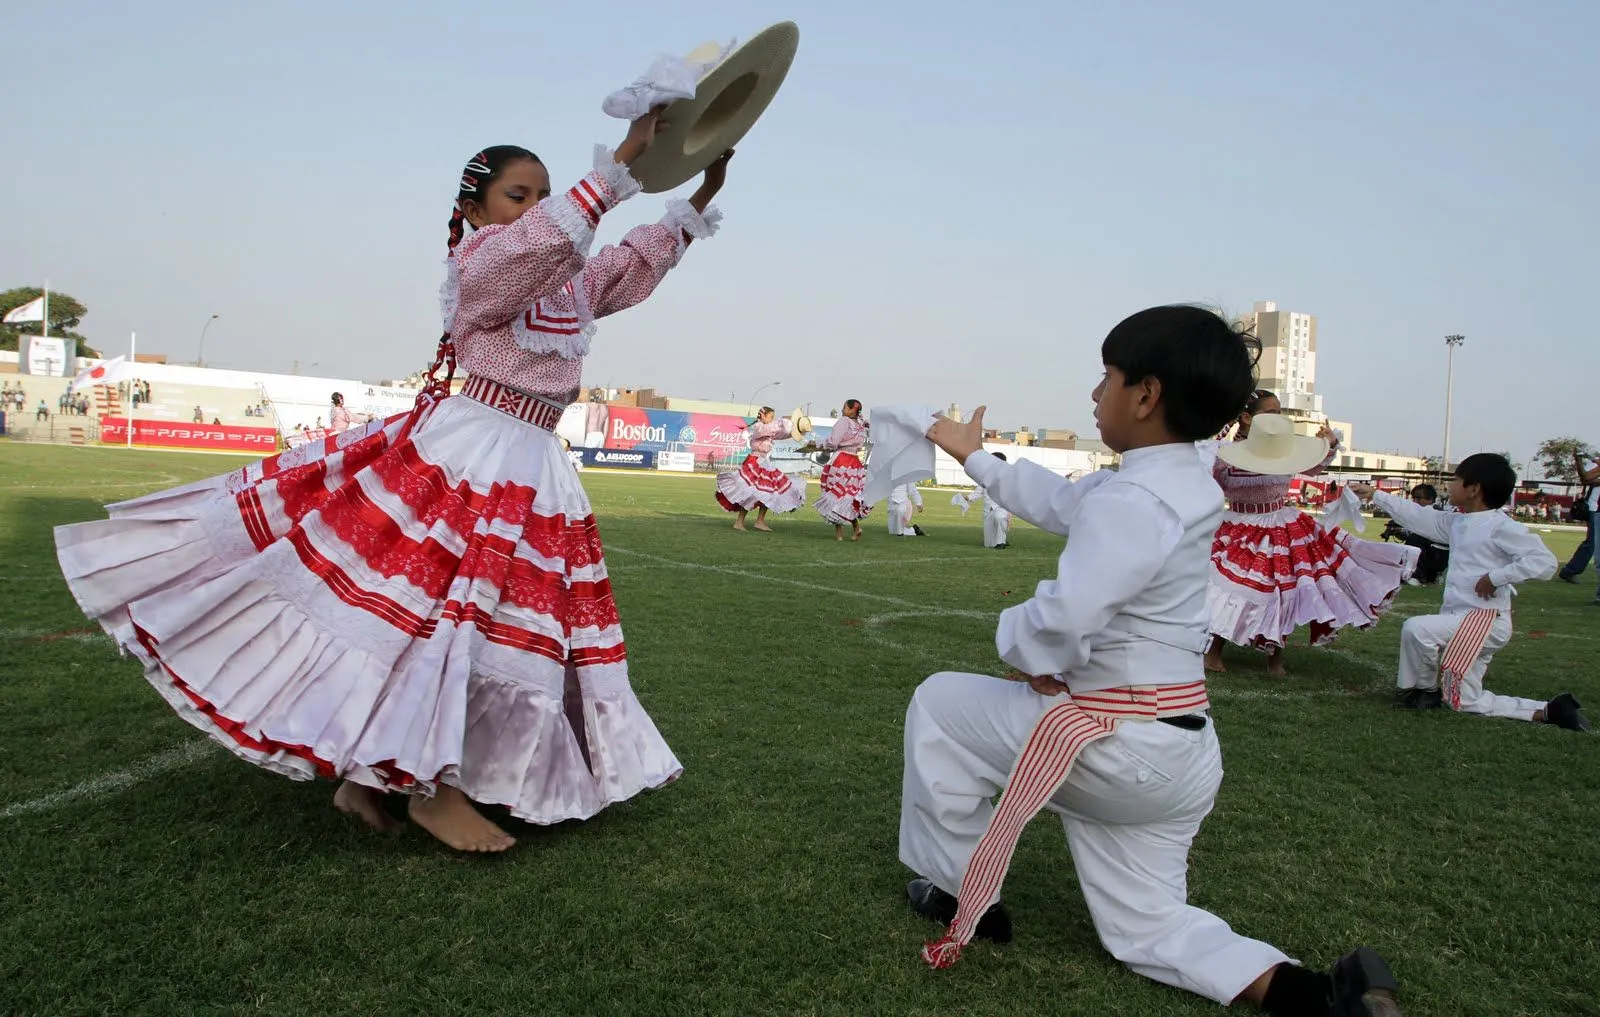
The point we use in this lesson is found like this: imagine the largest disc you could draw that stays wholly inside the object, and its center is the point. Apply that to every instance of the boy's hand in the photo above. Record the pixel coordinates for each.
(1361, 490)
(959, 440)
(1042, 684)
(1486, 588)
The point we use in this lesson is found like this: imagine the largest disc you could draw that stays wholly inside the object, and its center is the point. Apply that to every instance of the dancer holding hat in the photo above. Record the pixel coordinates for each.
(421, 604)
(844, 479)
(1109, 727)
(756, 484)
(1276, 568)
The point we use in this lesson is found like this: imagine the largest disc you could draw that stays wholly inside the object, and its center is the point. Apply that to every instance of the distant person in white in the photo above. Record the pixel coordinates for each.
(903, 502)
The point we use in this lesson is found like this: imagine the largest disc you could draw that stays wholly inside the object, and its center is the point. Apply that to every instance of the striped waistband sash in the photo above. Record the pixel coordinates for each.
(1064, 731)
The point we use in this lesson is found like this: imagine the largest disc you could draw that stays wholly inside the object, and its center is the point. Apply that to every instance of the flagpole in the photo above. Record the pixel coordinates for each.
(44, 326)
(133, 358)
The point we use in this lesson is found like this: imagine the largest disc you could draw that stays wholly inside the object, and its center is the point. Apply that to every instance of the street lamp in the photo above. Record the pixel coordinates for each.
(200, 361)
(750, 407)
(1451, 342)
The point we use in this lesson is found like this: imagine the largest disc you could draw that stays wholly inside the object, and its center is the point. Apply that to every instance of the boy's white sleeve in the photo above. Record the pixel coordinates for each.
(1032, 492)
(1530, 558)
(1120, 540)
(1424, 522)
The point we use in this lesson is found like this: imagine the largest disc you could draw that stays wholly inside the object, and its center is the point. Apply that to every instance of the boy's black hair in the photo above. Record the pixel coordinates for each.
(1427, 491)
(1207, 367)
(1492, 474)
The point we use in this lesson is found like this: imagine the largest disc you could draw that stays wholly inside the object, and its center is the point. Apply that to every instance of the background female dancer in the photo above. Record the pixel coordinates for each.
(1275, 568)
(845, 477)
(756, 484)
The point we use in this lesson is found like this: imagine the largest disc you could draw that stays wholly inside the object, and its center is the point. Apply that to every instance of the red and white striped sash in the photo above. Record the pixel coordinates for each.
(1046, 758)
(540, 411)
(1463, 649)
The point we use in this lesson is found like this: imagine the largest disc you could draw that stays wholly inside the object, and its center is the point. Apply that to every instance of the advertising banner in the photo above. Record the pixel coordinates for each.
(616, 459)
(171, 434)
(704, 435)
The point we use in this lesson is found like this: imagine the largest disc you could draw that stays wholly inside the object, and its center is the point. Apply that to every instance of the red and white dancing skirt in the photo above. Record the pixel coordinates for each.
(757, 483)
(1273, 572)
(843, 480)
(397, 612)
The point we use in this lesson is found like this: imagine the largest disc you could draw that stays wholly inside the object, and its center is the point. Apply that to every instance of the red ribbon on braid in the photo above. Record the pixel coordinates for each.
(435, 389)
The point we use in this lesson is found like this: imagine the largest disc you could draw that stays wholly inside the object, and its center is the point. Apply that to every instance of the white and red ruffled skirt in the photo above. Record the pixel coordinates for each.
(756, 483)
(396, 612)
(1273, 572)
(843, 480)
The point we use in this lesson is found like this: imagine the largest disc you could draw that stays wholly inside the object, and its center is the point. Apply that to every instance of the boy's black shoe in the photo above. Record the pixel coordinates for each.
(1001, 547)
(1363, 986)
(917, 530)
(1566, 577)
(1420, 699)
(931, 902)
(1360, 984)
(1563, 712)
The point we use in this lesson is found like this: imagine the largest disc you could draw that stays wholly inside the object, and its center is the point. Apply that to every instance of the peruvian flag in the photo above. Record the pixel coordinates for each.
(106, 373)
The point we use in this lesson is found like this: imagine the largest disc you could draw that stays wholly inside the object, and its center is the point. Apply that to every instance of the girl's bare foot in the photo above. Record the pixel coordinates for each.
(857, 535)
(449, 816)
(738, 524)
(1275, 665)
(1214, 661)
(359, 800)
(838, 533)
(763, 527)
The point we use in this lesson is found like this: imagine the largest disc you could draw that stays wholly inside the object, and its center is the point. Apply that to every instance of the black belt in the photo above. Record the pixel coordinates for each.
(1189, 721)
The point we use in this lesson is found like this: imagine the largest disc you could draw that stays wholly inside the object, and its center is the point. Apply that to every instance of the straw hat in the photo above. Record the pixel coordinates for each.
(799, 423)
(727, 103)
(1273, 449)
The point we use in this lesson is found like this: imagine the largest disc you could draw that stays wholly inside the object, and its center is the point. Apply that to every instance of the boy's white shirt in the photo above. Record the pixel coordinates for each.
(1128, 605)
(1481, 543)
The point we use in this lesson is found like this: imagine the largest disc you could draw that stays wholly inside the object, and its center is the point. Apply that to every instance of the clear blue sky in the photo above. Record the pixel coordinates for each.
(951, 204)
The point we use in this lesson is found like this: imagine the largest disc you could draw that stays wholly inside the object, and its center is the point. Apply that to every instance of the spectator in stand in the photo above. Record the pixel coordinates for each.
(339, 418)
(43, 412)
(1584, 509)
(199, 417)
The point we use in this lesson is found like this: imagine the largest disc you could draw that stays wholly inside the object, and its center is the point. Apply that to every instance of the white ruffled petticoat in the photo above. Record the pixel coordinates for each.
(399, 613)
(844, 480)
(756, 483)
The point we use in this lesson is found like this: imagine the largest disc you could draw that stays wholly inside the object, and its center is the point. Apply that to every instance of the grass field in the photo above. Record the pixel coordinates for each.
(143, 871)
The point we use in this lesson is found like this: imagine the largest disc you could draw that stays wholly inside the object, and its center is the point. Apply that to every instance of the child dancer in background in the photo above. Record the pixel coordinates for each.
(996, 520)
(421, 604)
(756, 484)
(1276, 568)
(903, 502)
(844, 478)
(1490, 552)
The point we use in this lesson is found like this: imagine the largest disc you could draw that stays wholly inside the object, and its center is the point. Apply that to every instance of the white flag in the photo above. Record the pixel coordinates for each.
(108, 372)
(33, 310)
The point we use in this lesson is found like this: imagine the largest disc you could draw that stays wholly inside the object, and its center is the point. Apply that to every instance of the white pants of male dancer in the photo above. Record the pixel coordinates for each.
(902, 504)
(1422, 641)
(1131, 807)
(996, 525)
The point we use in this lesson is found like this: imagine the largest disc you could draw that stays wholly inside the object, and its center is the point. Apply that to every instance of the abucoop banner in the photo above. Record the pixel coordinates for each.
(707, 435)
(170, 434)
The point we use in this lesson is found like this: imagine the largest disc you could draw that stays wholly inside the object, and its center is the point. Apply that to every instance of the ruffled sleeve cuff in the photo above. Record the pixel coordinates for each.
(686, 224)
(580, 209)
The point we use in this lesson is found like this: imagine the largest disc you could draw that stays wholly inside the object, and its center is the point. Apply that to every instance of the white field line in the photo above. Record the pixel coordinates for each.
(175, 758)
(694, 566)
